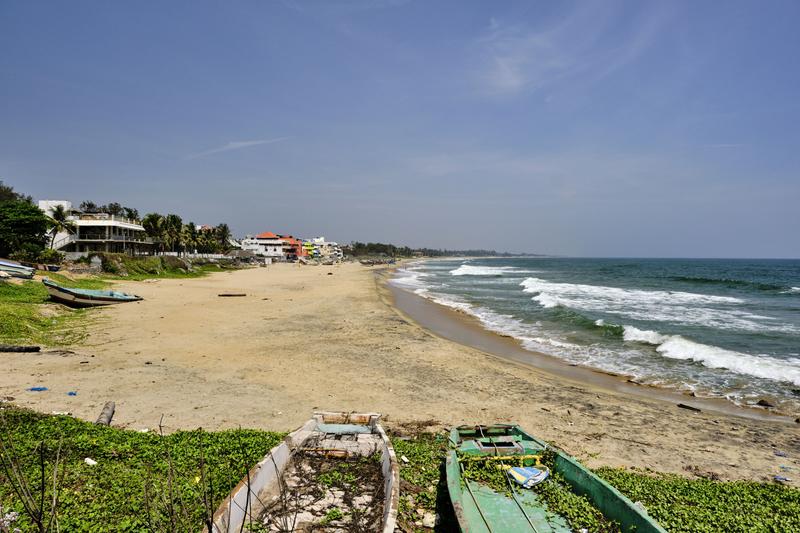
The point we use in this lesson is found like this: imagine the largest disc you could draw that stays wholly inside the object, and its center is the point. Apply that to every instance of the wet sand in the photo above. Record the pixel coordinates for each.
(306, 338)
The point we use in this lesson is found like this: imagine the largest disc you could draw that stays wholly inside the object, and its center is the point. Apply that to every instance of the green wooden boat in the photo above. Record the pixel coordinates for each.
(480, 509)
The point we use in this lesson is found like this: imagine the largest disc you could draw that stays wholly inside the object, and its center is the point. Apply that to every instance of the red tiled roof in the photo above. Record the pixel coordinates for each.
(266, 235)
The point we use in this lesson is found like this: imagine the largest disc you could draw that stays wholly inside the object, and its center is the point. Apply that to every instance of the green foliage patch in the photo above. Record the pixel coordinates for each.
(688, 505)
(26, 317)
(140, 479)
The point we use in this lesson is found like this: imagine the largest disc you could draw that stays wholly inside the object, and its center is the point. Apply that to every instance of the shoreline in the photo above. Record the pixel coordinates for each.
(328, 338)
(467, 330)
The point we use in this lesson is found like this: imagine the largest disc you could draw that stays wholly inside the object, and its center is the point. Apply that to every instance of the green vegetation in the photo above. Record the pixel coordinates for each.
(25, 317)
(683, 505)
(360, 249)
(677, 503)
(23, 226)
(423, 484)
(142, 481)
(121, 266)
(331, 516)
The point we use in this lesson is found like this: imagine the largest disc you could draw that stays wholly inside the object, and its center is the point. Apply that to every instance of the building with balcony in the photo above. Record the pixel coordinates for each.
(98, 232)
(265, 244)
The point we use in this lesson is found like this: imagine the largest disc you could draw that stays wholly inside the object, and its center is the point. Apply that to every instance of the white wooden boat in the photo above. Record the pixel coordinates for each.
(335, 440)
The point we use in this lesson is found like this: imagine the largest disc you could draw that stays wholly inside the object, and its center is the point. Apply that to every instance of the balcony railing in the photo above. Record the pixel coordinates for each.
(64, 241)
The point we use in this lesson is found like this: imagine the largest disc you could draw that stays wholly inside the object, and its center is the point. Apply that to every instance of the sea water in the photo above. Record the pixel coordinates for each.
(717, 328)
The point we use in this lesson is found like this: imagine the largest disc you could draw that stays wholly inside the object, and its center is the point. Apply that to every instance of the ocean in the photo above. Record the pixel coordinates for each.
(717, 328)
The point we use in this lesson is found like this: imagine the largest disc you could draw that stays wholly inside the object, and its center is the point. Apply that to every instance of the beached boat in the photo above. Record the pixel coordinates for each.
(337, 471)
(86, 297)
(15, 269)
(524, 460)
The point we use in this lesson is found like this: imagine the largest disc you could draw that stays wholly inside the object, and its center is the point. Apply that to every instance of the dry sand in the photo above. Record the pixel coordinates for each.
(306, 338)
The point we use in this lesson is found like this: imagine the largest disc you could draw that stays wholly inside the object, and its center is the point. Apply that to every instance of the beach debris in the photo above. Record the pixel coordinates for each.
(404, 459)
(72, 393)
(37, 389)
(780, 453)
(689, 407)
(781, 479)
(106, 414)
(18, 349)
(89, 461)
(764, 403)
(62, 413)
(231, 294)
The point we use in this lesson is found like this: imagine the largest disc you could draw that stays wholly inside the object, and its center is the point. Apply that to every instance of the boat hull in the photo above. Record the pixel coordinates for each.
(244, 500)
(16, 270)
(479, 509)
(85, 298)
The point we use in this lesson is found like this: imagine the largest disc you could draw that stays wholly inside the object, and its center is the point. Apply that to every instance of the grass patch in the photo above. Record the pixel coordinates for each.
(26, 317)
(683, 505)
(423, 484)
(129, 466)
(121, 266)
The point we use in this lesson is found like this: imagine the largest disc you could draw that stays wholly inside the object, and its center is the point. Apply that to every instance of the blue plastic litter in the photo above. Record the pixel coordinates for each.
(782, 478)
(72, 393)
(37, 389)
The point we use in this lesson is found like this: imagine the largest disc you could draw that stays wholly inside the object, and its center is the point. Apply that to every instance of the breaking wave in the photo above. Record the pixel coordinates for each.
(677, 347)
(667, 306)
(471, 270)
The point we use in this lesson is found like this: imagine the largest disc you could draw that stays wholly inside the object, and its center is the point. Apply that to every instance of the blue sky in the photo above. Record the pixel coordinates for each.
(578, 128)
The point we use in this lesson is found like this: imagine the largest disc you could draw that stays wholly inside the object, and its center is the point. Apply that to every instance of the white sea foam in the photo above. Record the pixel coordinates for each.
(762, 366)
(722, 312)
(410, 279)
(472, 270)
(632, 334)
(791, 290)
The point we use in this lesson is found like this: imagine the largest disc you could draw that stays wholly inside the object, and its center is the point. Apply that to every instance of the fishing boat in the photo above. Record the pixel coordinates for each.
(17, 270)
(337, 471)
(518, 506)
(86, 297)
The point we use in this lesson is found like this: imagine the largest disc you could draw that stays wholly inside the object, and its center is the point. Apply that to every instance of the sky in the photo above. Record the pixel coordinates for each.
(595, 128)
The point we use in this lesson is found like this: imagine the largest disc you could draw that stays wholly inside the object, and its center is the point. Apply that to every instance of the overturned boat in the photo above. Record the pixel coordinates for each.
(338, 471)
(498, 477)
(86, 297)
(17, 270)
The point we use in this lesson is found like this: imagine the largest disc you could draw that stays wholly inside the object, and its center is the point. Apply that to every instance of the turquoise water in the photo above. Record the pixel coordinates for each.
(718, 328)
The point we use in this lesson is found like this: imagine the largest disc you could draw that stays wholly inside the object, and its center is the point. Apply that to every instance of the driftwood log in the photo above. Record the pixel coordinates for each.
(15, 348)
(231, 294)
(107, 414)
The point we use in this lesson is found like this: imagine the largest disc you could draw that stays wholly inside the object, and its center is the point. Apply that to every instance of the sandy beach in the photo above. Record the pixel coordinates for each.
(330, 337)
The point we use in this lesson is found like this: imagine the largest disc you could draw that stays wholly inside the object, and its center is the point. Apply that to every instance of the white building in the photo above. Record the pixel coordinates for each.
(97, 232)
(265, 244)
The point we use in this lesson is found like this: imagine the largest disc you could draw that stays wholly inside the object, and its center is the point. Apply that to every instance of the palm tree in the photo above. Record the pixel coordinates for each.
(153, 224)
(189, 237)
(59, 223)
(223, 234)
(172, 231)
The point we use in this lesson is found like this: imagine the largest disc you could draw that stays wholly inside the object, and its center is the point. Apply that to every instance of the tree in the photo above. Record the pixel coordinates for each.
(8, 193)
(189, 237)
(113, 208)
(173, 224)
(88, 207)
(23, 227)
(223, 235)
(131, 213)
(59, 224)
(153, 225)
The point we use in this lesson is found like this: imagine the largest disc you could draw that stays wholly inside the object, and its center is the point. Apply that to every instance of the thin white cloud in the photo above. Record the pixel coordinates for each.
(517, 57)
(236, 145)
